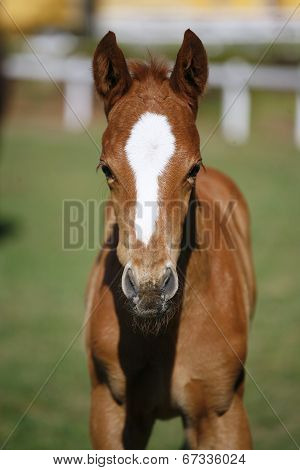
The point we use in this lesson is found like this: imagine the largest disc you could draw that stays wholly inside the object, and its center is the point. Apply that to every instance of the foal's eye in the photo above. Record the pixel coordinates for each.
(107, 172)
(193, 171)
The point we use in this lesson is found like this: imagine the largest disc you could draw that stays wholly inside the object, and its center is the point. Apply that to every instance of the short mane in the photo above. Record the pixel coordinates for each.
(157, 69)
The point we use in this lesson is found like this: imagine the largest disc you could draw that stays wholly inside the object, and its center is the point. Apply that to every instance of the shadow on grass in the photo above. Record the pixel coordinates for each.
(8, 228)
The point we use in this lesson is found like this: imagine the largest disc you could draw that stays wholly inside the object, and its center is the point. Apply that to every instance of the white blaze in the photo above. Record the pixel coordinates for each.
(149, 148)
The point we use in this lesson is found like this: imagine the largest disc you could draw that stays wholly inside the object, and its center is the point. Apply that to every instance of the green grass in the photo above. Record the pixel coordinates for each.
(42, 286)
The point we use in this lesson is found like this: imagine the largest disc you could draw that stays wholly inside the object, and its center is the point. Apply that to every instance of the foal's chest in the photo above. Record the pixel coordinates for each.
(188, 384)
(172, 375)
(206, 372)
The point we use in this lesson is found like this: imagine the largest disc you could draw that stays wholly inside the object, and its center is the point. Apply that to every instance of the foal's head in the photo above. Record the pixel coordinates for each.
(150, 157)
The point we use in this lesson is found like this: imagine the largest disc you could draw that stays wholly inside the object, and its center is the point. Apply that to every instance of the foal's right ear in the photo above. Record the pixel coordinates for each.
(111, 75)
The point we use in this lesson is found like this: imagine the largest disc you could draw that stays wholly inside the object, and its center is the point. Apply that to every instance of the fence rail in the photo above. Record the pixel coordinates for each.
(236, 79)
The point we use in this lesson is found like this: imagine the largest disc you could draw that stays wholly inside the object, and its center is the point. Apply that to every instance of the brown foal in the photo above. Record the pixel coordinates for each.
(171, 294)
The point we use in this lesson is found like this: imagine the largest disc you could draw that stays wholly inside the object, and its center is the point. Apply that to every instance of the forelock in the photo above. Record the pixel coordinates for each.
(155, 69)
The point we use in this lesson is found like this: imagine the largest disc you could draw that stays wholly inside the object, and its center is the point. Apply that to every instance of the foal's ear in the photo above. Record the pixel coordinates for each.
(190, 72)
(111, 75)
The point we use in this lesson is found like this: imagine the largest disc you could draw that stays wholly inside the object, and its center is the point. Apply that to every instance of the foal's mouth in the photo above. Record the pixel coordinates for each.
(152, 319)
(155, 311)
(150, 301)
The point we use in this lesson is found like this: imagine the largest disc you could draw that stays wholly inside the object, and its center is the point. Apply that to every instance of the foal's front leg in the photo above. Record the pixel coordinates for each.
(107, 419)
(114, 425)
(229, 431)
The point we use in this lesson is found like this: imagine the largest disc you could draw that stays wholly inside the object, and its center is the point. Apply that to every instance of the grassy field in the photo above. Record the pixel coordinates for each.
(42, 286)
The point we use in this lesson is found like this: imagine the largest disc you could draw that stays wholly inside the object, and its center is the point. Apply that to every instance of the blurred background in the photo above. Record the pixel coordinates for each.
(51, 125)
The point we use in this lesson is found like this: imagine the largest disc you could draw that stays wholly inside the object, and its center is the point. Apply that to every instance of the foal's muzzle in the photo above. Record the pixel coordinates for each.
(150, 296)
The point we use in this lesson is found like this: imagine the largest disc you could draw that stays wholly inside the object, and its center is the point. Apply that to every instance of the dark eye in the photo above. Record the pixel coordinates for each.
(107, 172)
(193, 171)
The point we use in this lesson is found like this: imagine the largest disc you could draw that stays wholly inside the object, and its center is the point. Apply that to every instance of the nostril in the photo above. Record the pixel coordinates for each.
(129, 284)
(169, 283)
(166, 278)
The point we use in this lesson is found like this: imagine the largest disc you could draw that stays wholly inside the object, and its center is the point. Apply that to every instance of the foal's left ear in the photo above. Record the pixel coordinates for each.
(111, 75)
(190, 72)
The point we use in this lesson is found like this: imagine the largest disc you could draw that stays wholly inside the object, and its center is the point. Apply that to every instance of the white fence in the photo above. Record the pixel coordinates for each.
(216, 26)
(235, 79)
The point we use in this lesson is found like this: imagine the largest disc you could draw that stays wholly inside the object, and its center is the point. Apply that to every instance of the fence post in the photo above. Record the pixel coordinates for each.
(297, 121)
(297, 115)
(236, 102)
(78, 105)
